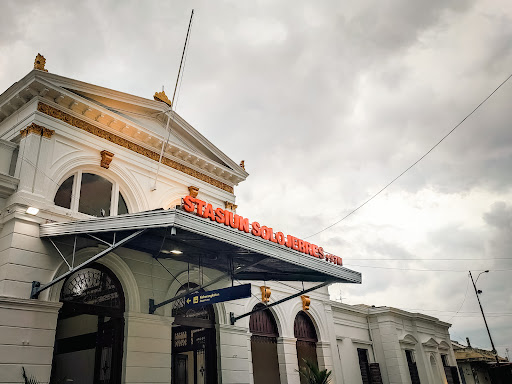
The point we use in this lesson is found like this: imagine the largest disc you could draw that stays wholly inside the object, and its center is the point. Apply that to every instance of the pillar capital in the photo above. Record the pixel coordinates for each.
(38, 130)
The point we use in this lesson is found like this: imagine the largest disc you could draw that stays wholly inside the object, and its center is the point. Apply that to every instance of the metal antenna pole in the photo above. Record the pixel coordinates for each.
(164, 144)
(485, 321)
(182, 56)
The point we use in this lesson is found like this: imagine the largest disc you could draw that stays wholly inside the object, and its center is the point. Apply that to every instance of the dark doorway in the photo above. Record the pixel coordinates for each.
(194, 343)
(304, 332)
(90, 328)
(364, 365)
(264, 331)
(413, 369)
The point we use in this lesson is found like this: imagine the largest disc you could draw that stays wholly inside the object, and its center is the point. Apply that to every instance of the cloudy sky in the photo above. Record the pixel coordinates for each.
(327, 102)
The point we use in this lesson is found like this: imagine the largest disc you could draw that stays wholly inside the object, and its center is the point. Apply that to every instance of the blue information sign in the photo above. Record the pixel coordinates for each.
(218, 295)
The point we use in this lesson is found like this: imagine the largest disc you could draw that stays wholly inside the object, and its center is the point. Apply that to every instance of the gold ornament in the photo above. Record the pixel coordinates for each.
(161, 96)
(40, 62)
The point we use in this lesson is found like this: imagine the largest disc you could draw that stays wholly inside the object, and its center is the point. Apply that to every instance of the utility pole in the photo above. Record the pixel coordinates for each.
(483, 315)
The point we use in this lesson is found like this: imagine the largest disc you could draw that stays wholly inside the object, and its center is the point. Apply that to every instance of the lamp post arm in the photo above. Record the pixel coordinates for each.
(485, 321)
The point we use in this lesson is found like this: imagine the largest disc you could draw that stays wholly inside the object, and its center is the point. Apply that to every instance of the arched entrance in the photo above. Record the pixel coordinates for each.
(304, 332)
(264, 331)
(194, 344)
(90, 328)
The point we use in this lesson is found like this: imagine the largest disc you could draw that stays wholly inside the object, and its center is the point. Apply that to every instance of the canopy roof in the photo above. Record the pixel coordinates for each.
(202, 241)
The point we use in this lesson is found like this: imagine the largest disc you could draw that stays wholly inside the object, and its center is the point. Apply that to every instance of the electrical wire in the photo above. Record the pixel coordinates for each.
(463, 301)
(433, 259)
(413, 164)
(421, 270)
(176, 93)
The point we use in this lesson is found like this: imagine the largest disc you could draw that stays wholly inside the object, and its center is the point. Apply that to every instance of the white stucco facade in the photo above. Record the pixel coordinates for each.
(69, 125)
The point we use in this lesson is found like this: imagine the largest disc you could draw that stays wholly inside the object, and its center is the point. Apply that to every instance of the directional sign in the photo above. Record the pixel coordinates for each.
(218, 295)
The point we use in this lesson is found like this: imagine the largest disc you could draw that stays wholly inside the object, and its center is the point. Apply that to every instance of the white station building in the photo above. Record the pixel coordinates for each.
(109, 277)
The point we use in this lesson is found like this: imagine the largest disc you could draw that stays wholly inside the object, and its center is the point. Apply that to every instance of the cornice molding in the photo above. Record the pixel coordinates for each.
(87, 127)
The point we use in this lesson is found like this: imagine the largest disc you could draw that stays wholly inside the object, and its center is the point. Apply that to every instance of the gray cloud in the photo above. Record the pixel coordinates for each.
(326, 103)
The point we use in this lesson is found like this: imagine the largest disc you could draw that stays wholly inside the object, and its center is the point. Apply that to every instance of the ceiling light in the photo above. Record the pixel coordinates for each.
(176, 252)
(32, 210)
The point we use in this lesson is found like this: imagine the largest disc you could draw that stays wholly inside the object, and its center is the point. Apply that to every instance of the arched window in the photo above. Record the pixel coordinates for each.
(91, 194)
(265, 366)
(304, 332)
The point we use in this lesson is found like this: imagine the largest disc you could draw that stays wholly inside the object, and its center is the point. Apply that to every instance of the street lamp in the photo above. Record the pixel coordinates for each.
(481, 309)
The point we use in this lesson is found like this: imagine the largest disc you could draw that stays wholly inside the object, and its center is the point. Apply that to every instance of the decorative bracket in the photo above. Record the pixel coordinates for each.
(106, 158)
(233, 319)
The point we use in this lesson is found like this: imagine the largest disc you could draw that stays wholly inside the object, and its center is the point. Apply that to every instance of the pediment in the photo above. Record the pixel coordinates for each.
(141, 121)
(409, 340)
(444, 345)
(431, 343)
(152, 116)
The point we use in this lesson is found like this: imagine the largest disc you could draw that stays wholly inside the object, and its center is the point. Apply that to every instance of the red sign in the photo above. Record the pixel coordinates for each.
(228, 218)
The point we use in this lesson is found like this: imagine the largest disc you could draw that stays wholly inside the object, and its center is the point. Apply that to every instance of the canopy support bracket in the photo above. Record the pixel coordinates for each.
(233, 319)
(153, 307)
(60, 253)
(37, 288)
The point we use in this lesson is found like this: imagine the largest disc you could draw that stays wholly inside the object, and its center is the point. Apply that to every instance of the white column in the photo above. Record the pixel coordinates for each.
(323, 351)
(148, 348)
(394, 357)
(6, 150)
(234, 354)
(287, 358)
(27, 160)
(27, 335)
(41, 180)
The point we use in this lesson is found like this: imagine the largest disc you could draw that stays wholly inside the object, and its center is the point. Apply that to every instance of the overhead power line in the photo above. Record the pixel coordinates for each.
(413, 164)
(463, 301)
(431, 259)
(419, 270)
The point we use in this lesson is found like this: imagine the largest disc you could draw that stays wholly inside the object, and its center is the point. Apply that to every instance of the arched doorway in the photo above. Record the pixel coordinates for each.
(90, 328)
(264, 331)
(194, 343)
(304, 332)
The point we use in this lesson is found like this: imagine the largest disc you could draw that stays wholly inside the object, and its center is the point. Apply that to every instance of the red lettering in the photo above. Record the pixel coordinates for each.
(301, 246)
(295, 244)
(232, 220)
(234, 223)
(208, 212)
(219, 213)
(256, 231)
(200, 205)
(189, 203)
(265, 233)
(228, 217)
(243, 224)
(272, 238)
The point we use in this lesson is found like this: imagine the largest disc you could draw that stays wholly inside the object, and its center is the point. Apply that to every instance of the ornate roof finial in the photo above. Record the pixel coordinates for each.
(242, 164)
(40, 62)
(161, 96)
